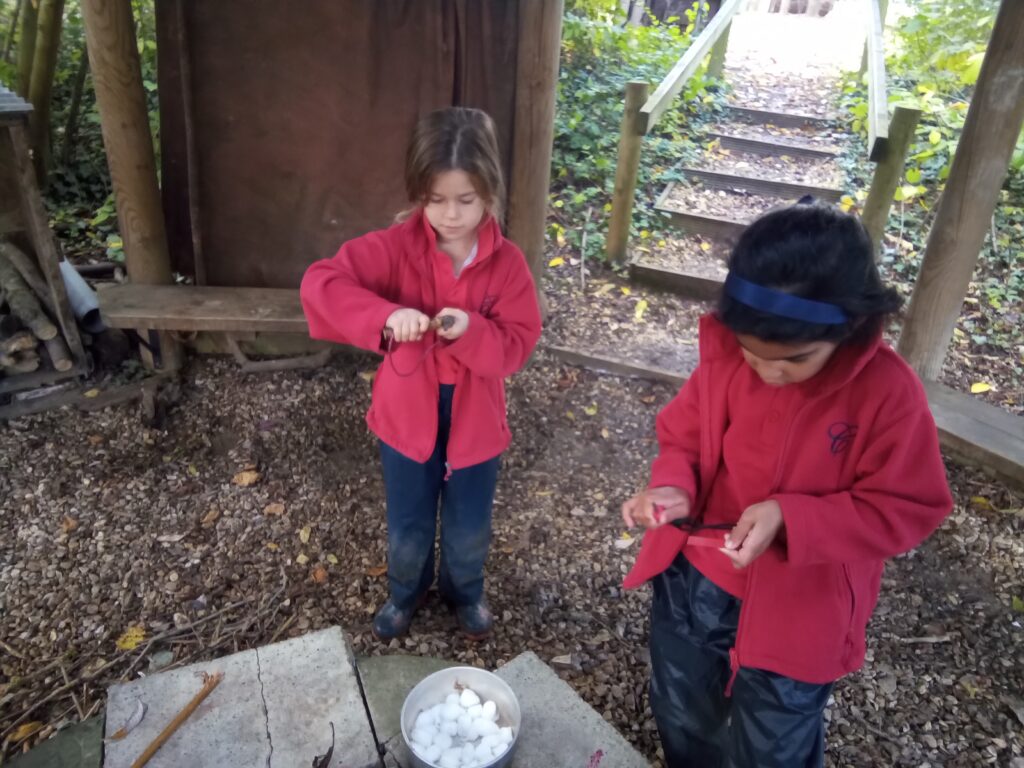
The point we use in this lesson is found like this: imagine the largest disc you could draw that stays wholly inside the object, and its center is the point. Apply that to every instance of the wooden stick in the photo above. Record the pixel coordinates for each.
(209, 683)
(29, 271)
(20, 341)
(630, 138)
(60, 357)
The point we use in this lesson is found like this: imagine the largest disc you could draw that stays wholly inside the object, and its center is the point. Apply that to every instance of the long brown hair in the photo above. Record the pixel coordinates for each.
(455, 139)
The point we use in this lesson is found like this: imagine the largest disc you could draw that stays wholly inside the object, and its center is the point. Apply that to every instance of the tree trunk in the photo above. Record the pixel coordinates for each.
(27, 46)
(23, 302)
(71, 128)
(51, 20)
(965, 210)
(9, 45)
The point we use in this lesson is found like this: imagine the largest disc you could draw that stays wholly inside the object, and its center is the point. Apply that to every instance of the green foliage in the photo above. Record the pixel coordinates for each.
(599, 55)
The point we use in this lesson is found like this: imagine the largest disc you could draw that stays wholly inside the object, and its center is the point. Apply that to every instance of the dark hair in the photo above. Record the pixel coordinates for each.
(816, 252)
(455, 139)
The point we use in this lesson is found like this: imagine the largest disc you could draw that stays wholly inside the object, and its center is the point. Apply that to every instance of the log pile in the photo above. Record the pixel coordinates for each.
(30, 338)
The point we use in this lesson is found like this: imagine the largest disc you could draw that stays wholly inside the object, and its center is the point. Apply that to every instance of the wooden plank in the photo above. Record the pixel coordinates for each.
(202, 308)
(613, 365)
(681, 283)
(963, 216)
(726, 230)
(37, 379)
(878, 100)
(774, 148)
(780, 119)
(760, 186)
(686, 66)
(979, 433)
(888, 173)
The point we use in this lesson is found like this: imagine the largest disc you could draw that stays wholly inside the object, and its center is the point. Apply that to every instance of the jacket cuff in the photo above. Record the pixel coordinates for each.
(795, 509)
(676, 473)
(379, 318)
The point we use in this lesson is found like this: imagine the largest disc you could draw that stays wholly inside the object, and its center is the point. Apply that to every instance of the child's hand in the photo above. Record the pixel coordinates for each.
(753, 533)
(458, 327)
(656, 506)
(408, 324)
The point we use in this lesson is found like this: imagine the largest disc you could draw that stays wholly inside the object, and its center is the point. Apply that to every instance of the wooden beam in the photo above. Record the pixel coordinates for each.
(965, 209)
(540, 35)
(878, 101)
(117, 78)
(686, 66)
(716, 63)
(630, 139)
(888, 173)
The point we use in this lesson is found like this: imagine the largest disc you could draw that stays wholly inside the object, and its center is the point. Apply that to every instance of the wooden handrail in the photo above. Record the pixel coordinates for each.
(878, 100)
(685, 67)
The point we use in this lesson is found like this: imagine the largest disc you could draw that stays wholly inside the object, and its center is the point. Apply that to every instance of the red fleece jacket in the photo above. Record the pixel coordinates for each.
(349, 298)
(859, 478)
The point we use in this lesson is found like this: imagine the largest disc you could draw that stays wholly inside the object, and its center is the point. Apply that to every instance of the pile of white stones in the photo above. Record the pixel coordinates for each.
(460, 732)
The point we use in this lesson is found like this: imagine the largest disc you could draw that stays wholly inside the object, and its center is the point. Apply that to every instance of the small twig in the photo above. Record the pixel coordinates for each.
(11, 651)
(875, 730)
(74, 699)
(209, 683)
(280, 630)
(929, 639)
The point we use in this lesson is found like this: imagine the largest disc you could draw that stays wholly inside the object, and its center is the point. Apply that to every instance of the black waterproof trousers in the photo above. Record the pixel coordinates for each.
(770, 721)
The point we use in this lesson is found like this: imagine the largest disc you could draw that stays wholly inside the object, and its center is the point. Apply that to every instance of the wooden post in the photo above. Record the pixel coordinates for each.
(630, 138)
(117, 79)
(716, 64)
(965, 210)
(540, 36)
(888, 173)
(51, 20)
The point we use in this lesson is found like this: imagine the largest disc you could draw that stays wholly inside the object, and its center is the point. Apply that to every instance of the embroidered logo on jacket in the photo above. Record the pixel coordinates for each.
(488, 304)
(841, 434)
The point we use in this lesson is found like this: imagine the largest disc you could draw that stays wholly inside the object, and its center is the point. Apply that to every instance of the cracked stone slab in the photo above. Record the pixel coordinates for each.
(78, 746)
(309, 682)
(272, 709)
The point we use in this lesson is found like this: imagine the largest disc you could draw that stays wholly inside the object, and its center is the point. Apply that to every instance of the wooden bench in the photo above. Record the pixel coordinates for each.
(203, 308)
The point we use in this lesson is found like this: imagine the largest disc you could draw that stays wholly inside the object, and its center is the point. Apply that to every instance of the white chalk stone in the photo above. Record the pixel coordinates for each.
(444, 741)
(484, 727)
(500, 750)
(453, 698)
(433, 753)
(451, 712)
(469, 698)
(451, 759)
(450, 727)
(425, 719)
(465, 725)
(505, 735)
(468, 753)
(424, 736)
(490, 710)
(484, 752)
(492, 741)
(475, 711)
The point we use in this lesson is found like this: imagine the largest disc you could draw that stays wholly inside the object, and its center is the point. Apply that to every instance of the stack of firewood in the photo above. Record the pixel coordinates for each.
(30, 338)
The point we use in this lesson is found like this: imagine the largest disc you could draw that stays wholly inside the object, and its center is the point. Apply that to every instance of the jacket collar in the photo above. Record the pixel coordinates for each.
(718, 343)
(421, 241)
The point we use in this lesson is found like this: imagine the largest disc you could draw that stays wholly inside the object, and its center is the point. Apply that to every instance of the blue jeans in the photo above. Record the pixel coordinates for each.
(466, 498)
(771, 721)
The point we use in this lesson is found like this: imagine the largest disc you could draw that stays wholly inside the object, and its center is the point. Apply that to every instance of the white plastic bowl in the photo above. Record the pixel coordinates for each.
(434, 688)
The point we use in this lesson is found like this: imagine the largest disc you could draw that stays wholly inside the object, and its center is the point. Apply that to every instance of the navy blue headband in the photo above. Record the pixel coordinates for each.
(783, 304)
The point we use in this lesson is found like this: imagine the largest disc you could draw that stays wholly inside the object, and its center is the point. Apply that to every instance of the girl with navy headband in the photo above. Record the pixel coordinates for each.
(799, 456)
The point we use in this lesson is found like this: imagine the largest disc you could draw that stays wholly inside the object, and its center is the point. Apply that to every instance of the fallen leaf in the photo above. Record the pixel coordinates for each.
(193, 471)
(95, 440)
(591, 410)
(304, 534)
(133, 720)
(980, 386)
(25, 730)
(543, 493)
(272, 546)
(332, 559)
(377, 570)
(68, 524)
(638, 312)
(556, 262)
(624, 542)
(648, 399)
(210, 517)
(605, 433)
(274, 509)
(981, 501)
(246, 477)
(91, 393)
(625, 291)
(170, 538)
(1018, 604)
(302, 559)
(131, 638)
(604, 289)
(368, 376)
(705, 246)
(570, 416)
(319, 575)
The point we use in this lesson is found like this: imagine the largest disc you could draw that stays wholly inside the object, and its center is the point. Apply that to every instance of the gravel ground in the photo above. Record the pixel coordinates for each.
(107, 524)
(794, 169)
(733, 204)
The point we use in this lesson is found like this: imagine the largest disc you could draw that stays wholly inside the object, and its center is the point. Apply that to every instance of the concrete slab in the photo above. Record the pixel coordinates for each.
(271, 709)
(387, 680)
(80, 746)
(559, 728)
(309, 682)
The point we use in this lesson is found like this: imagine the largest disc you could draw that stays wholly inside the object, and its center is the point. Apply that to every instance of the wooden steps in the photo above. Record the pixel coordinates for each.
(786, 189)
(780, 119)
(775, 148)
(203, 308)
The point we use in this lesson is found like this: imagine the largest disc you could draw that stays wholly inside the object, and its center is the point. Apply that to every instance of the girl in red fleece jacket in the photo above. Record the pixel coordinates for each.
(452, 306)
(797, 458)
